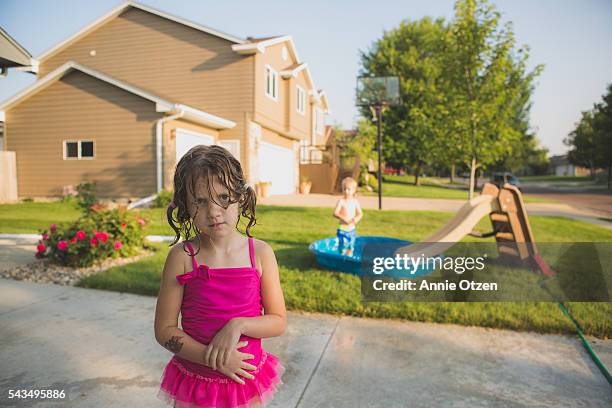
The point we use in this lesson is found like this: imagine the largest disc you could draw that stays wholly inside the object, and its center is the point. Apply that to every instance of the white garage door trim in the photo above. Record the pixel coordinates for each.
(233, 145)
(186, 139)
(277, 164)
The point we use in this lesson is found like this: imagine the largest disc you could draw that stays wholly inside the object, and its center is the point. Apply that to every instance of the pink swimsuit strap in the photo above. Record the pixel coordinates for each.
(195, 264)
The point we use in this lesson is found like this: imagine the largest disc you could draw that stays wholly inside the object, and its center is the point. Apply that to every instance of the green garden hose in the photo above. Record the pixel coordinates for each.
(586, 344)
(548, 272)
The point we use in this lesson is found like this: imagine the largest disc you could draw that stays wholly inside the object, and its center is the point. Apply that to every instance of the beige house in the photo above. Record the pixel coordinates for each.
(123, 99)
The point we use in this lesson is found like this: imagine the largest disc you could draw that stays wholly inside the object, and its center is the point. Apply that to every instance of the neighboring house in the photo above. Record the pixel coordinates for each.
(123, 99)
(560, 166)
(12, 55)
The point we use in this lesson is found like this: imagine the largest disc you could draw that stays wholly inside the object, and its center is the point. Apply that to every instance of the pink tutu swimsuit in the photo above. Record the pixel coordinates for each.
(212, 296)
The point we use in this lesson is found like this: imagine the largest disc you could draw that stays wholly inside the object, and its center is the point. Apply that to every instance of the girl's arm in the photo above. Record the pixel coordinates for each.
(167, 310)
(274, 321)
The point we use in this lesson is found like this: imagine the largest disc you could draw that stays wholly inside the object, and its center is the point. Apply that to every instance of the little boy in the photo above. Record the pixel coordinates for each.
(348, 211)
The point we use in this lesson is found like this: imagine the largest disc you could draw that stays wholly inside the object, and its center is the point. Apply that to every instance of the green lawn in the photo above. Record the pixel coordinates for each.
(290, 230)
(431, 187)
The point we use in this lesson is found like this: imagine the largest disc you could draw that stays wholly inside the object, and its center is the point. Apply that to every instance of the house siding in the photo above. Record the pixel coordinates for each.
(80, 107)
(167, 59)
(171, 60)
(276, 115)
(300, 124)
(281, 116)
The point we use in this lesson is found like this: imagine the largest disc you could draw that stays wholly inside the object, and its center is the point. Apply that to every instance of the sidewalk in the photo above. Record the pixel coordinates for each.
(99, 347)
(427, 204)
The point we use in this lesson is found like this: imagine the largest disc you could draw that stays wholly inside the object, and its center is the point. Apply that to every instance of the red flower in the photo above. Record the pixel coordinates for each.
(80, 235)
(41, 247)
(123, 225)
(141, 221)
(45, 236)
(62, 245)
(72, 241)
(93, 242)
(53, 228)
(102, 236)
(117, 245)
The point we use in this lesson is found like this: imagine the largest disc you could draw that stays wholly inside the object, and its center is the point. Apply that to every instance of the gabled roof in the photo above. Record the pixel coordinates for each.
(122, 8)
(12, 54)
(161, 104)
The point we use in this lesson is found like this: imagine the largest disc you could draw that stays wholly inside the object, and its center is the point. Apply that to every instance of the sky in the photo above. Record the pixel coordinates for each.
(571, 38)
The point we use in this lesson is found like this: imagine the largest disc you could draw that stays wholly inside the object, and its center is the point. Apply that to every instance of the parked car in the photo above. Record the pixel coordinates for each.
(391, 170)
(502, 178)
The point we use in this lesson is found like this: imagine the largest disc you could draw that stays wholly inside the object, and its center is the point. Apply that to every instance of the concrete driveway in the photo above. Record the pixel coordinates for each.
(99, 347)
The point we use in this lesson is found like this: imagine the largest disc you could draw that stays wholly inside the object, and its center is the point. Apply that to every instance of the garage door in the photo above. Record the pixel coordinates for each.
(186, 139)
(277, 164)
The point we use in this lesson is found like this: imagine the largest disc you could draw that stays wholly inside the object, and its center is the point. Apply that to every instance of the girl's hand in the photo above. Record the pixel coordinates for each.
(236, 365)
(219, 349)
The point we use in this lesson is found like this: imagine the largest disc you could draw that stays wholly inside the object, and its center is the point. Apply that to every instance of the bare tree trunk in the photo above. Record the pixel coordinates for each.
(452, 173)
(417, 182)
(472, 178)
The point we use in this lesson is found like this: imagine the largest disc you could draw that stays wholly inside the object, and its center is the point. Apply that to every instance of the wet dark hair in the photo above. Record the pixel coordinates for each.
(206, 162)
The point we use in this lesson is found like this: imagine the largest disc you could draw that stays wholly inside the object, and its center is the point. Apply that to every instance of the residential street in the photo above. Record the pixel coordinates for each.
(596, 201)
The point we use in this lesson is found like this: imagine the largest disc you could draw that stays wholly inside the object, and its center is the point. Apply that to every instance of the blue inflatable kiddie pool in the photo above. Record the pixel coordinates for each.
(328, 257)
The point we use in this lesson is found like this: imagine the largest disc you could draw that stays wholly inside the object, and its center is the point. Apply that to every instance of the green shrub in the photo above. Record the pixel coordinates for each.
(373, 182)
(86, 196)
(163, 199)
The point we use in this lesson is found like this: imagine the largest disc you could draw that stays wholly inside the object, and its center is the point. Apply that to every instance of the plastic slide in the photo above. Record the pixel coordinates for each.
(452, 232)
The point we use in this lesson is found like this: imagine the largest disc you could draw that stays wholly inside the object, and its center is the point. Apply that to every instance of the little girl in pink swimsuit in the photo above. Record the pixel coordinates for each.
(226, 287)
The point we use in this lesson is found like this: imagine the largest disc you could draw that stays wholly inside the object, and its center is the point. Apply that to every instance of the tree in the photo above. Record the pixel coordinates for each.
(526, 154)
(591, 140)
(603, 134)
(360, 145)
(411, 52)
(582, 143)
(488, 85)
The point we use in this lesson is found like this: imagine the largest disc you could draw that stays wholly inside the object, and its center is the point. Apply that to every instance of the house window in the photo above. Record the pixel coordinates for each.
(271, 83)
(301, 100)
(319, 121)
(78, 149)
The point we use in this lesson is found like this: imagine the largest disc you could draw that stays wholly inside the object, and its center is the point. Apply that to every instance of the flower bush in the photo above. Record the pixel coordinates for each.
(99, 234)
